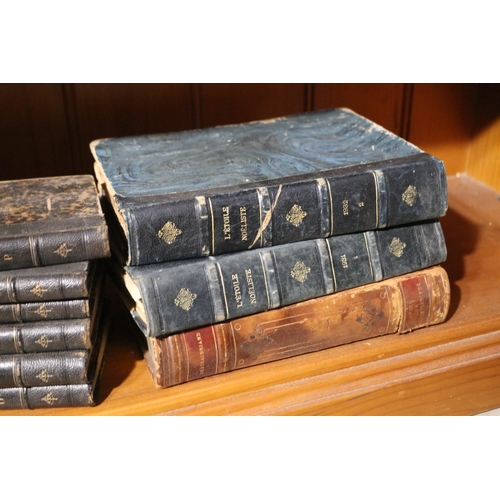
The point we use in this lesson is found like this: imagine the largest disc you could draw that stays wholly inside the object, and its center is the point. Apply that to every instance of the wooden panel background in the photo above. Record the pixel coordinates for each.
(45, 129)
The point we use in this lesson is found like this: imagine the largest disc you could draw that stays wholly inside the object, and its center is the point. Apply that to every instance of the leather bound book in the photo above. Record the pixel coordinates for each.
(44, 311)
(395, 305)
(51, 310)
(48, 336)
(47, 397)
(239, 187)
(180, 295)
(37, 284)
(68, 394)
(45, 368)
(51, 220)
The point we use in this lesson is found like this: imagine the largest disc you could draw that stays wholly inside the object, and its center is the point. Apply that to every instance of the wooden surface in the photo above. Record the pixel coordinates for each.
(448, 369)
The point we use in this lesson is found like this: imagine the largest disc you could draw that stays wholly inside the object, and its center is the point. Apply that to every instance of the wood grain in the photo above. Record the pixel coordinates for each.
(484, 157)
(97, 111)
(442, 117)
(381, 102)
(34, 138)
(224, 103)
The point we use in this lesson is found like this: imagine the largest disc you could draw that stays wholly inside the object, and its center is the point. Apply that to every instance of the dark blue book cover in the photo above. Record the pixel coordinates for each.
(185, 294)
(238, 187)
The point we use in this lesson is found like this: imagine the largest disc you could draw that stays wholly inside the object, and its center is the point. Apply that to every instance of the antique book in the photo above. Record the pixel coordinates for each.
(66, 395)
(395, 305)
(174, 296)
(47, 336)
(51, 220)
(44, 311)
(44, 368)
(51, 310)
(60, 282)
(238, 187)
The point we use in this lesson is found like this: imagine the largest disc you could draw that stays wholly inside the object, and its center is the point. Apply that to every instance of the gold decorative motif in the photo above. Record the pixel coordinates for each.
(2, 401)
(410, 195)
(49, 398)
(38, 290)
(7, 257)
(396, 247)
(43, 311)
(43, 341)
(44, 376)
(185, 299)
(169, 232)
(63, 250)
(300, 271)
(296, 215)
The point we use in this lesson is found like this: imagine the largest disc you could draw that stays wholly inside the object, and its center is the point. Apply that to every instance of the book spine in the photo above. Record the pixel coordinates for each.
(397, 305)
(62, 396)
(44, 311)
(389, 193)
(188, 294)
(41, 369)
(45, 336)
(16, 289)
(87, 243)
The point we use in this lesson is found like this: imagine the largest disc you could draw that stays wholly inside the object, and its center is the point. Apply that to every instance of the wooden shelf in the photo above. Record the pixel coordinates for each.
(448, 369)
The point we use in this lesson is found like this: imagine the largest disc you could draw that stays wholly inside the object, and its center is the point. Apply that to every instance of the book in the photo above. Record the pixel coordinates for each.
(44, 368)
(174, 296)
(48, 336)
(45, 311)
(51, 220)
(393, 306)
(56, 396)
(66, 395)
(60, 282)
(230, 188)
(42, 336)
(52, 310)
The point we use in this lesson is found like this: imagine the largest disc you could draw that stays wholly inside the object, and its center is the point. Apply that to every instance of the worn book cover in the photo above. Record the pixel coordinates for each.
(396, 305)
(50, 310)
(59, 282)
(175, 296)
(251, 185)
(46, 394)
(51, 335)
(51, 220)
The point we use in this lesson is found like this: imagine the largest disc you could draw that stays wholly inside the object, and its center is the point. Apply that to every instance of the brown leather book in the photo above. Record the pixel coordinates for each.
(395, 305)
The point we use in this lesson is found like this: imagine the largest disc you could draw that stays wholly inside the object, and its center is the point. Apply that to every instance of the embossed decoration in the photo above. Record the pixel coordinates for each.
(296, 215)
(184, 299)
(44, 376)
(49, 398)
(169, 232)
(38, 290)
(370, 316)
(63, 250)
(43, 341)
(300, 271)
(410, 195)
(43, 311)
(396, 247)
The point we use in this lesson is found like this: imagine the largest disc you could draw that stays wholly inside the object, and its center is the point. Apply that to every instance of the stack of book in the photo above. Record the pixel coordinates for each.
(242, 244)
(53, 327)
